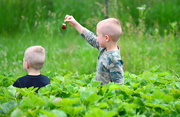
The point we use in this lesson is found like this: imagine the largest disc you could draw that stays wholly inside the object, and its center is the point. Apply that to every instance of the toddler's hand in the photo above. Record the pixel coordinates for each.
(70, 19)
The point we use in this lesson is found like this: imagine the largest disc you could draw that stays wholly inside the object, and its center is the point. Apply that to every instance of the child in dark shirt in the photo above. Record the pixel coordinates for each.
(34, 58)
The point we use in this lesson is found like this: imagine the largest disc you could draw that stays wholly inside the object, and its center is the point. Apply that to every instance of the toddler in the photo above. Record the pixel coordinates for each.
(34, 58)
(109, 66)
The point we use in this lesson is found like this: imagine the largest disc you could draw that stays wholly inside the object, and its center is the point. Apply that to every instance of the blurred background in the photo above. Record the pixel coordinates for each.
(151, 33)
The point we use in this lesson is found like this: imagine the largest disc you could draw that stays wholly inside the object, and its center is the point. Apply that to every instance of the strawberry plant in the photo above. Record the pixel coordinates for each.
(152, 93)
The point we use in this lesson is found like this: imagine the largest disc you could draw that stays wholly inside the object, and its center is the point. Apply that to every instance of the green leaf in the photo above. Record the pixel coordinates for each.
(49, 87)
(158, 94)
(109, 94)
(157, 106)
(12, 90)
(178, 85)
(143, 82)
(94, 84)
(71, 88)
(92, 98)
(102, 105)
(7, 106)
(8, 92)
(164, 73)
(43, 91)
(72, 111)
(145, 89)
(94, 112)
(114, 87)
(139, 101)
(26, 91)
(110, 114)
(17, 113)
(148, 97)
(175, 93)
(128, 108)
(53, 113)
(67, 102)
(126, 89)
(177, 107)
(168, 98)
(32, 101)
(136, 85)
(86, 92)
(5, 82)
(59, 79)
(59, 112)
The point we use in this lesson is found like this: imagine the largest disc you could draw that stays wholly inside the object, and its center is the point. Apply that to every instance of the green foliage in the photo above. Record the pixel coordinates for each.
(152, 93)
(30, 15)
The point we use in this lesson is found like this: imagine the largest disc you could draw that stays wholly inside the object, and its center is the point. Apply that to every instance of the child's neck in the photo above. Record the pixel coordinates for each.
(112, 47)
(33, 72)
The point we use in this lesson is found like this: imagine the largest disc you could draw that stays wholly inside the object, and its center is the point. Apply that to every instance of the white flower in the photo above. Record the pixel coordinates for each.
(141, 8)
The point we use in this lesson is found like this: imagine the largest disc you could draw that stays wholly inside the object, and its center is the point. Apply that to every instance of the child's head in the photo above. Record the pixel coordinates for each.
(109, 27)
(34, 56)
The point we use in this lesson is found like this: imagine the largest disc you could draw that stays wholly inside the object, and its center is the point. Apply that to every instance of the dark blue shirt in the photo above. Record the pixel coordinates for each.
(32, 81)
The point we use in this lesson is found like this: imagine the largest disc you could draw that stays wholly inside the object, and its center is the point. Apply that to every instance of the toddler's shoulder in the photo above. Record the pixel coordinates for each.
(22, 78)
(114, 58)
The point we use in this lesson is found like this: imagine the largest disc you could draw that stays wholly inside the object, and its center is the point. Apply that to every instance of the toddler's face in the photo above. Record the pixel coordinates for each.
(101, 39)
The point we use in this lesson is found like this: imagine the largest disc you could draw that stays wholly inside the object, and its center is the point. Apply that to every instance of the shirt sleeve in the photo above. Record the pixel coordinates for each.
(116, 71)
(90, 38)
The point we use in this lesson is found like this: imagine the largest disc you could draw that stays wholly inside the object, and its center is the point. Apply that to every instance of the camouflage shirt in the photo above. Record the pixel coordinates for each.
(109, 66)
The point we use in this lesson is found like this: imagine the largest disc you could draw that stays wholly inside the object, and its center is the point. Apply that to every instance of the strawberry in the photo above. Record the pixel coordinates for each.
(63, 26)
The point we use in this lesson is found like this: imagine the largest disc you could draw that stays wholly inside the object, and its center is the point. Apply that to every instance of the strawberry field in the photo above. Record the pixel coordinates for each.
(153, 93)
(150, 50)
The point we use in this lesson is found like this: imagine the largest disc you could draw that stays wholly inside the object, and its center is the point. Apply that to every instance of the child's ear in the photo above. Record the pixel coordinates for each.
(27, 65)
(107, 38)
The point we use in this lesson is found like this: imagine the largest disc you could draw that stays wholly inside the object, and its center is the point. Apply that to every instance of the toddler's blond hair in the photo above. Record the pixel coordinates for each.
(35, 56)
(110, 27)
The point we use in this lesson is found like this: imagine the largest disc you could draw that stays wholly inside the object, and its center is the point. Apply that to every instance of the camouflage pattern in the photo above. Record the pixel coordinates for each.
(109, 66)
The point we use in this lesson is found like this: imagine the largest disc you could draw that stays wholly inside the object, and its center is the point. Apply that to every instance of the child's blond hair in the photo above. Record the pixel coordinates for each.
(110, 27)
(35, 56)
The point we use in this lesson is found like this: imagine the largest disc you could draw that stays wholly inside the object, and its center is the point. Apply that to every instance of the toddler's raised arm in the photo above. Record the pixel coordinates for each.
(70, 19)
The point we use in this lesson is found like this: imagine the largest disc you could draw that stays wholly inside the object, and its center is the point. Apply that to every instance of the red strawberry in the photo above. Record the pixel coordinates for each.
(63, 26)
